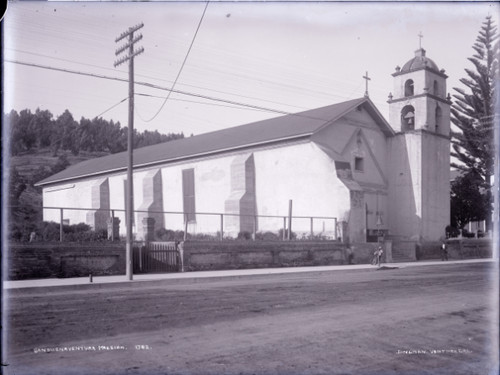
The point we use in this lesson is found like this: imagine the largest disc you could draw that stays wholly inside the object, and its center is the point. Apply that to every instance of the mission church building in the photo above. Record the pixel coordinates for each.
(344, 161)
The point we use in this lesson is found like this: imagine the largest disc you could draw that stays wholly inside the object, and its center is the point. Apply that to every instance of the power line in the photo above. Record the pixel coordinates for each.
(59, 59)
(94, 75)
(153, 86)
(182, 66)
(155, 78)
(113, 106)
(196, 102)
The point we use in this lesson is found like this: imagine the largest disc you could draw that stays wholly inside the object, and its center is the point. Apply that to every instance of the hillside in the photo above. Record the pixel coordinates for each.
(25, 199)
(28, 164)
(41, 145)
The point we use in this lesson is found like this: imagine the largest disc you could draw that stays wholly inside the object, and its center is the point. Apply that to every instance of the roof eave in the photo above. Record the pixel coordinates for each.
(341, 114)
(386, 127)
(44, 183)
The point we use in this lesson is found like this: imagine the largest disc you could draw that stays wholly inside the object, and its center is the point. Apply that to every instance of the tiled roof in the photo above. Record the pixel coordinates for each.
(267, 131)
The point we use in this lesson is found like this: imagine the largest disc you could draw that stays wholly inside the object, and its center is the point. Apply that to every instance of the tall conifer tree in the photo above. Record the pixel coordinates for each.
(473, 111)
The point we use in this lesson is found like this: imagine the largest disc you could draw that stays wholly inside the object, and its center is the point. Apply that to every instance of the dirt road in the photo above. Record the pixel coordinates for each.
(415, 320)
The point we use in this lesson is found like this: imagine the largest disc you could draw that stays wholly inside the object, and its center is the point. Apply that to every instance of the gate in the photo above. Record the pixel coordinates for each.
(156, 257)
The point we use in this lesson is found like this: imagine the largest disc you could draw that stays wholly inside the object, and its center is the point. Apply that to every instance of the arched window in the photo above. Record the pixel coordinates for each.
(408, 118)
(435, 89)
(409, 90)
(439, 116)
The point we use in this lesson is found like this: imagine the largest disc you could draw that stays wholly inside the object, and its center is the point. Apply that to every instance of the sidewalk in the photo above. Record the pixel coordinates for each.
(121, 279)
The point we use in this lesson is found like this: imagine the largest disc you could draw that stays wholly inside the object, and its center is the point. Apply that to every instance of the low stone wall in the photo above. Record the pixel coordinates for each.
(404, 251)
(33, 261)
(363, 253)
(457, 249)
(199, 255)
(36, 261)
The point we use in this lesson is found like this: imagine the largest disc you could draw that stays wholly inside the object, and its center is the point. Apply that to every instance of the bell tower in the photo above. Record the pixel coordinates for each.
(419, 100)
(419, 112)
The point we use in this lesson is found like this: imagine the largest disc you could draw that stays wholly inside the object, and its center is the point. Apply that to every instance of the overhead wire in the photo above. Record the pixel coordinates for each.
(89, 32)
(110, 108)
(246, 58)
(154, 86)
(289, 87)
(182, 65)
(155, 78)
(196, 102)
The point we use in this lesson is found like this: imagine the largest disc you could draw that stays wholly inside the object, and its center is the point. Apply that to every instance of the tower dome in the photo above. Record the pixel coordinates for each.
(420, 61)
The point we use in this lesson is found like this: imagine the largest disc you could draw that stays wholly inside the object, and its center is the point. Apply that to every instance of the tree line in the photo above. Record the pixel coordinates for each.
(30, 131)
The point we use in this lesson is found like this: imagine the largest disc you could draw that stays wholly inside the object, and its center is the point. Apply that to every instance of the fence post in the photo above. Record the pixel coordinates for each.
(284, 228)
(113, 226)
(312, 229)
(221, 226)
(289, 235)
(254, 232)
(336, 233)
(61, 225)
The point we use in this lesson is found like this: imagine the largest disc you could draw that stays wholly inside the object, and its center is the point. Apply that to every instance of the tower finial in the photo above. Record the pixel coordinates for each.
(366, 79)
(420, 36)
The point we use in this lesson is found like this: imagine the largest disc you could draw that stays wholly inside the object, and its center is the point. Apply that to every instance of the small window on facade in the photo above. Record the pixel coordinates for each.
(409, 90)
(436, 88)
(188, 195)
(359, 164)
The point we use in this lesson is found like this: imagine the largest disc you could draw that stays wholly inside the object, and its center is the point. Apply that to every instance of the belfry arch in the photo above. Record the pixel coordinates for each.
(408, 118)
(409, 88)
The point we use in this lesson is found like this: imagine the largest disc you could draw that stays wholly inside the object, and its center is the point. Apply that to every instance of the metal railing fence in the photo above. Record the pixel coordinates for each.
(207, 226)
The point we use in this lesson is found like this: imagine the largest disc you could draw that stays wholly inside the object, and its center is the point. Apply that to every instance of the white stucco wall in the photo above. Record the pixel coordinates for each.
(212, 187)
(300, 172)
(376, 203)
(419, 192)
(358, 135)
(436, 186)
(69, 195)
(307, 176)
(405, 198)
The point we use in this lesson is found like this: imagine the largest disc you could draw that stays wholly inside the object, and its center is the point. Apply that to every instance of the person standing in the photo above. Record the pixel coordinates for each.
(444, 251)
(380, 251)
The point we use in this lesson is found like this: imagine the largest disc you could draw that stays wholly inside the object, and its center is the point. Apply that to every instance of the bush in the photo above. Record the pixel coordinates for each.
(293, 235)
(452, 232)
(86, 236)
(204, 237)
(49, 231)
(467, 234)
(163, 234)
(244, 236)
(267, 236)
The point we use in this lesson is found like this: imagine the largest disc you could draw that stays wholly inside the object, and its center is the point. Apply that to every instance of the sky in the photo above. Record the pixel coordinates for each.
(282, 56)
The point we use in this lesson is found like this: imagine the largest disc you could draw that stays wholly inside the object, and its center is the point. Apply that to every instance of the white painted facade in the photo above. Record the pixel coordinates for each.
(355, 168)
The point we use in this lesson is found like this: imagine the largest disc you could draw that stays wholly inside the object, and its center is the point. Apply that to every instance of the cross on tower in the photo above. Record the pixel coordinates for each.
(366, 79)
(420, 36)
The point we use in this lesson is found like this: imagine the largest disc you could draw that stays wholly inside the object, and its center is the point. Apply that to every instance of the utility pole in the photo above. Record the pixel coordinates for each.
(129, 209)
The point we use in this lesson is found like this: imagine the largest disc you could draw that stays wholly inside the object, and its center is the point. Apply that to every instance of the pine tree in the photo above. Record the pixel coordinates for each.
(468, 201)
(474, 109)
